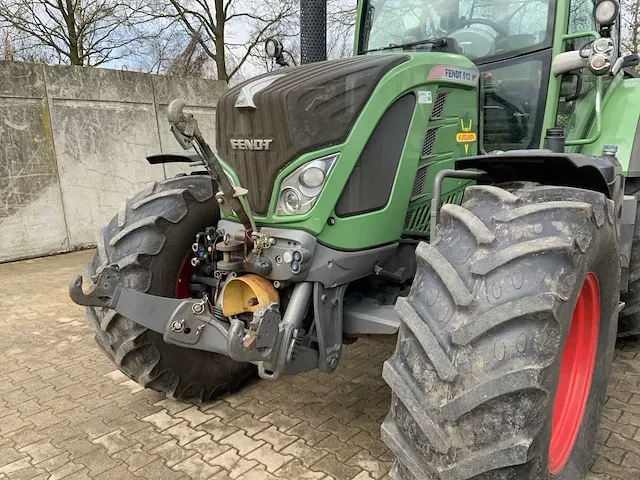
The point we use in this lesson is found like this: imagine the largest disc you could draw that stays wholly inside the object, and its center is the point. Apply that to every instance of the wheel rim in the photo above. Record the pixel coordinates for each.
(184, 274)
(576, 373)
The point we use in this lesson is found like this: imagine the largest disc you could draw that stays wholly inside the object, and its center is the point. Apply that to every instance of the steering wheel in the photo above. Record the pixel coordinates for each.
(500, 30)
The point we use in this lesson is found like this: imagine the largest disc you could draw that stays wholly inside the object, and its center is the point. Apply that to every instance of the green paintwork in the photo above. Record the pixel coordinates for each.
(364, 231)
(409, 215)
(620, 111)
(553, 91)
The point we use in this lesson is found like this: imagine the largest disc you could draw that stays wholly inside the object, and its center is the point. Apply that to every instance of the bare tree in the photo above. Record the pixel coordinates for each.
(227, 31)
(341, 24)
(78, 32)
(631, 25)
(341, 21)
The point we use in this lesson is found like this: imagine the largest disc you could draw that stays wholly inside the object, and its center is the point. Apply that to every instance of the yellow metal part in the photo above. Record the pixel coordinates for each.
(247, 294)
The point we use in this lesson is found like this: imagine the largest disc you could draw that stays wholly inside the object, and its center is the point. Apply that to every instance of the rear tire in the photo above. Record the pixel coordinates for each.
(476, 368)
(149, 240)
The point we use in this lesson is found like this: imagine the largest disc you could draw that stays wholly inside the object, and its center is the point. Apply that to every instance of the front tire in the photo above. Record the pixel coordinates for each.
(149, 241)
(477, 368)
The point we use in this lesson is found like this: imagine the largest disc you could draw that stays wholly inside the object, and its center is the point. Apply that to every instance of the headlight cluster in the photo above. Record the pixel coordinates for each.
(299, 191)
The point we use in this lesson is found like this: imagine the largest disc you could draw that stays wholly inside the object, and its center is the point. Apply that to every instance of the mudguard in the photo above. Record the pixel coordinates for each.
(187, 156)
(602, 174)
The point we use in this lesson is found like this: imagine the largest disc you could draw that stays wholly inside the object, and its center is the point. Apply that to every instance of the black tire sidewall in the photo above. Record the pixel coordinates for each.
(179, 372)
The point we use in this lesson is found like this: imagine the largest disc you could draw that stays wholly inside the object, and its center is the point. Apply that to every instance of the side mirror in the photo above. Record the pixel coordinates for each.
(571, 86)
(274, 49)
(606, 13)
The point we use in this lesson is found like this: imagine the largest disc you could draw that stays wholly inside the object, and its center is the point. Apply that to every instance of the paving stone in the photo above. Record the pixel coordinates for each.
(79, 447)
(225, 412)
(194, 416)
(295, 470)
(336, 468)
(118, 473)
(267, 456)
(162, 421)
(242, 443)
(149, 438)
(113, 442)
(341, 450)
(373, 465)
(171, 405)
(309, 434)
(305, 454)
(24, 436)
(281, 421)
(275, 438)
(342, 431)
(9, 455)
(207, 447)
(157, 470)
(197, 468)
(232, 462)
(258, 473)
(15, 466)
(97, 462)
(217, 429)
(135, 457)
(53, 463)
(172, 453)
(128, 424)
(63, 405)
(184, 433)
(40, 451)
(248, 424)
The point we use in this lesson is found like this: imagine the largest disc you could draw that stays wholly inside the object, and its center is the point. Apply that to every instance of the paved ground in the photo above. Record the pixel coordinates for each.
(66, 412)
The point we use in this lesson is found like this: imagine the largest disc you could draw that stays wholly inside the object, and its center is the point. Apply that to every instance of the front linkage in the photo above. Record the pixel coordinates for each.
(269, 341)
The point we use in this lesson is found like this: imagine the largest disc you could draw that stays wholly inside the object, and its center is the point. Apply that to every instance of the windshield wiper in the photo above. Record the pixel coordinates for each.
(439, 42)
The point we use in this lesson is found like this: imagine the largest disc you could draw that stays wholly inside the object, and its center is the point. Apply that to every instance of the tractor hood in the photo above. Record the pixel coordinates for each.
(267, 122)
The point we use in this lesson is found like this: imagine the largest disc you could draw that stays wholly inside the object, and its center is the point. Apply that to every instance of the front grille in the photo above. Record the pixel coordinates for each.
(418, 220)
(439, 105)
(418, 184)
(407, 220)
(429, 142)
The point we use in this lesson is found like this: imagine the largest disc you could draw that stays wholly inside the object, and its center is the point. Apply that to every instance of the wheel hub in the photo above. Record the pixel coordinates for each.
(576, 373)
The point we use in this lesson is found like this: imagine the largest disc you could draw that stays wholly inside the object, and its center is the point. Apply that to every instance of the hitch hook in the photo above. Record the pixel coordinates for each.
(104, 293)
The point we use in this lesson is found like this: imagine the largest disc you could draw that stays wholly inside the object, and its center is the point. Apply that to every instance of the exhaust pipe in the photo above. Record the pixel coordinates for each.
(313, 31)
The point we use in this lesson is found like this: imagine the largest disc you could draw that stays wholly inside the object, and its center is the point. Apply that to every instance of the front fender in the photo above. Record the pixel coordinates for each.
(187, 156)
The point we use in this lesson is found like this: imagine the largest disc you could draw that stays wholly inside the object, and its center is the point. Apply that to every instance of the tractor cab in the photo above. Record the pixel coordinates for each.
(513, 43)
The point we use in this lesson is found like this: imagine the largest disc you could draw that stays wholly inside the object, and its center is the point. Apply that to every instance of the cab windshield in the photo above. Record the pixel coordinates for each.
(481, 28)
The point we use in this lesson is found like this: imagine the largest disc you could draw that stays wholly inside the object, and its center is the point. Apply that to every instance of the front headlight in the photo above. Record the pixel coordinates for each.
(300, 190)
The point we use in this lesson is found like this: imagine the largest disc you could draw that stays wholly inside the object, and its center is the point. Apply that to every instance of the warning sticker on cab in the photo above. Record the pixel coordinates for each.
(466, 76)
(466, 137)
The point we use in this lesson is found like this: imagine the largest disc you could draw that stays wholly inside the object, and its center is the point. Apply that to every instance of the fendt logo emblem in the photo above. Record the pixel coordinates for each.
(256, 144)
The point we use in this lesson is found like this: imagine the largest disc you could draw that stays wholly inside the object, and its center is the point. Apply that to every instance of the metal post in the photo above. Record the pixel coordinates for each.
(313, 31)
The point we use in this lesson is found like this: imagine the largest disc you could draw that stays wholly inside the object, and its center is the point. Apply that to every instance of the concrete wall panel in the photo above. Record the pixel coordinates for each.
(104, 125)
(31, 215)
(73, 143)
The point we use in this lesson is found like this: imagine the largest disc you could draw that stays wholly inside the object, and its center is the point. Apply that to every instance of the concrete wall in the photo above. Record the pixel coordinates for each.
(73, 143)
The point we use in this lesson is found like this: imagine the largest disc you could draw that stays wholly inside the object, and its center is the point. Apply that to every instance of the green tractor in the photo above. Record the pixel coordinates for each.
(349, 198)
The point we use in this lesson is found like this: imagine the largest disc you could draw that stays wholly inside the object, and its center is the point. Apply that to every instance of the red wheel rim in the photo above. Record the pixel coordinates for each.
(576, 373)
(184, 274)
